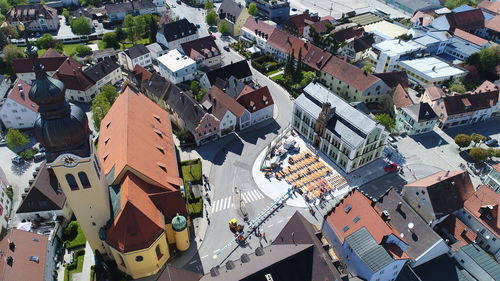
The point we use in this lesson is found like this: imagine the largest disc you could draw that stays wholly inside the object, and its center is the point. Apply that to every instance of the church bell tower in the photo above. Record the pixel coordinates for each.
(62, 128)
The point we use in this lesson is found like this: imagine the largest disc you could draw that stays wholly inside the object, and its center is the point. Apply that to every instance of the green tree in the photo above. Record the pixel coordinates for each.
(452, 4)
(16, 139)
(83, 51)
(297, 76)
(462, 140)
(386, 120)
(134, 27)
(477, 138)
(489, 58)
(120, 34)
(195, 87)
(18, 2)
(11, 52)
(81, 26)
(478, 154)
(100, 106)
(316, 38)
(368, 67)
(5, 6)
(307, 77)
(288, 70)
(457, 86)
(95, 3)
(211, 18)
(10, 31)
(3, 40)
(65, 14)
(492, 152)
(405, 37)
(110, 93)
(252, 9)
(151, 26)
(47, 41)
(224, 27)
(209, 5)
(110, 40)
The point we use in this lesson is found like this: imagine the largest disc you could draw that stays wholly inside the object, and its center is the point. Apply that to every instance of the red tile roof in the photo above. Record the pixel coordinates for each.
(301, 21)
(458, 230)
(311, 55)
(134, 127)
(423, 18)
(259, 27)
(494, 23)
(255, 100)
(221, 102)
(349, 74)
(281, 40)
(394, 78)
(139, 223)
(467, 20)
(71, 74)
(401, 98)
(321, 26)
(470, 37)
(141, 75)
(487, 86)
(493, 7)
(484, 206)
(497, 167)
(25, 247)
(52, 53)
(204, 46)
(434, 92)
(347, 33)
(468, 102)
(19, 94)
(26, 65)
(355, 204)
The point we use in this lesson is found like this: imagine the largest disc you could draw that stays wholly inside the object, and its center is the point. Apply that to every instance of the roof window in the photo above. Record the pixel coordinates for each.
(345, 229)
(161, 149)
(356, 219)
(163, 167)
(348, 209)
(157, 118)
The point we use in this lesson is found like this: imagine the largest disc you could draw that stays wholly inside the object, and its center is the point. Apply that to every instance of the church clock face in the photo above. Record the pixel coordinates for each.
(69, 161)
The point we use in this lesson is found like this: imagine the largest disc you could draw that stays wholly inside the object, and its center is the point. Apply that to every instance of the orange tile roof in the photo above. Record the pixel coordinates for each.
(355, 204)
(22, 268)
(23, 99)
(401, 98)
(52, 53)
(470, 37)
(497, 167)
(71, 74)
(395, 251)
(483, 198)
(136, 134)
(139, 223)
(456, 228)
(255, 99)
(221, 102)
(487, 86)
(490, 6)
(349, 74)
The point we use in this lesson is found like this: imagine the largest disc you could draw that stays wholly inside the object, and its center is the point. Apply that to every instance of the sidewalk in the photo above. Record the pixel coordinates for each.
(88, 261)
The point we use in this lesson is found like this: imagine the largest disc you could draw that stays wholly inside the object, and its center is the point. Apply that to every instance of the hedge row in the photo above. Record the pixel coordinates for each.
(258, 64)
(74, 264)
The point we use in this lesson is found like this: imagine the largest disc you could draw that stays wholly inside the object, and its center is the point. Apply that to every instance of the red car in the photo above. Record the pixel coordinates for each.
(393, 167)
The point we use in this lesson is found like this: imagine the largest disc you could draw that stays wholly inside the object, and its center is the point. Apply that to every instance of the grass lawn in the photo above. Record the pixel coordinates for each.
(68, 49)
(191, 172)
(78, 268)
(144, 41)
(40, 51)
(277, 77)
(274, 71)
(99, 43)
(78, 241)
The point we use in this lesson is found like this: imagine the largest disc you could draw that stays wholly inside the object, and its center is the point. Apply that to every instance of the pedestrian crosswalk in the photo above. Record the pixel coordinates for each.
(227, 202)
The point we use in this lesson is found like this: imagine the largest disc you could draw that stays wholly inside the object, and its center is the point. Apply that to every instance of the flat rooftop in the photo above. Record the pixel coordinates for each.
(175, 61)
(398, 47)
(431, 67)
(386, 29)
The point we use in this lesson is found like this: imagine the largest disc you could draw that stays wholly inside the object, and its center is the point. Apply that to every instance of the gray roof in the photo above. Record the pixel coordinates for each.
(348, 123)
(420, 112)
(108, 52)
(483, 259)
(422, 238)
(119, 7)
(230, 9)
(101, 69)
(365, 247)
(136, 51)
(185, 106)
(155, 47)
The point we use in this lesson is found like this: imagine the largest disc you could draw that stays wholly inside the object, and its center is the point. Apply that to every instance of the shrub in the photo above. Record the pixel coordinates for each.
(27, 154)
(70, 231)
(478, 154)
(462, 140)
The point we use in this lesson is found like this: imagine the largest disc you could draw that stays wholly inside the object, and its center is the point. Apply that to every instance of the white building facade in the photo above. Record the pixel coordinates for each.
(177, 67)
(18, 111)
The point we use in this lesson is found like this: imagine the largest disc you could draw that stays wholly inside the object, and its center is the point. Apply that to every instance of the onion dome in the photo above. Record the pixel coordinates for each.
(179, 223)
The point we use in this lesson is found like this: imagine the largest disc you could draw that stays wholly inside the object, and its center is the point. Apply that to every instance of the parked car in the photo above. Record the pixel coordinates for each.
(392, 139)
(39, 156)
(226, 48)
(3, 142)
(393, 167)
(178, 2)
(18, 160)
(491, 142)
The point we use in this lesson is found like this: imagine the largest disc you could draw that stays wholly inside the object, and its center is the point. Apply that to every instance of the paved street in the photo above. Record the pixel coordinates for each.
(335, 8)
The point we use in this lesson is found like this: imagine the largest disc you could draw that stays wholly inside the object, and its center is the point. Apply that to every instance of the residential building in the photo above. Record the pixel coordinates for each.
(295, 24)
(105, 72)
(44, 198)
(18, 111)
(78, 86)
(346, 32)
(347, 136)
(385, 30)
(177, 67)
(438, 195)
(35, 17)
(416, 119)
(156, 89)
(493, 29)
(322, 27)
(189, 115)
(279, 44)
(5, 204)
(361, 237)
(305, 251)
(480, 212)
(432, 94)
(277, 11)
(100, 55)
(422, 18)
(479, 263)
(258, 31)
(239, 71)
(118, 11)
(258, 102)
(385, 55)
(468, 20)
(172, 35)
(140, 76)
(137, 54)
(51, 61)
(358, 49)
(5, 85)
(232, 116)
(443, 267)
(399, 99)
(156, 50)
(493, 178)
(491, 7)
(27, 256)
(429, 70)
(351, 82)
(234, 14)
(423, 243)
(204, 52)
(462, 109)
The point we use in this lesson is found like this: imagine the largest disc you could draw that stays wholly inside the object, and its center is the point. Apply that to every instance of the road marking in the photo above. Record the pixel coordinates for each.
(227, 202)
(269, 226)
(195, 261)
(280, 221)
(252, 195)
(216, 251)
(204, 256)
(222, 204)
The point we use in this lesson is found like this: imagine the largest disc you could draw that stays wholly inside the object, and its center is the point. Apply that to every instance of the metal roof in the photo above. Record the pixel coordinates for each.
(484, 260)
(371, 253)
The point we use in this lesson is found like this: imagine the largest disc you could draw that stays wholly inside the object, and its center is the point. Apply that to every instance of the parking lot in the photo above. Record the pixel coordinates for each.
(335, 8)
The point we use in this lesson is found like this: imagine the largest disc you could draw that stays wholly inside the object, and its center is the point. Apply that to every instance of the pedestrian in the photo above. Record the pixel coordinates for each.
(208, 220)
(264, 236)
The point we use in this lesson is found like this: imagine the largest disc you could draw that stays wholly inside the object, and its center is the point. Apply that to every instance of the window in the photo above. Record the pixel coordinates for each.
(139, 258)
(158, 252)
(71, 182)
(84, 180)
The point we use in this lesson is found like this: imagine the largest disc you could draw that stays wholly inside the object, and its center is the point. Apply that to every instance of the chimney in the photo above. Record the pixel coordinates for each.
(447, 173)
(385, 215)
(12, 246)
(399, 206)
